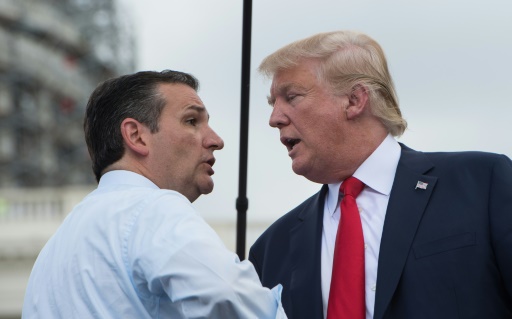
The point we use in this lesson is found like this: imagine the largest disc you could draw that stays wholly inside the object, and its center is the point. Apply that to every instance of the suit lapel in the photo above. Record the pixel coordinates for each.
(405, 210)
(305, 244)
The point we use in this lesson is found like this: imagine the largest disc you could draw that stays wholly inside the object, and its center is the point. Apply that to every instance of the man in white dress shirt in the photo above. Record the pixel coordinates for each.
(135, 247)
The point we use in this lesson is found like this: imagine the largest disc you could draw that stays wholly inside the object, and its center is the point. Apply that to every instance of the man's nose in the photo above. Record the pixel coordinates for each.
(214, 141)
(278, 118)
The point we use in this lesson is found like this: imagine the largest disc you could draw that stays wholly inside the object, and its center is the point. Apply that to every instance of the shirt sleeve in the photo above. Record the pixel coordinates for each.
(178, 260)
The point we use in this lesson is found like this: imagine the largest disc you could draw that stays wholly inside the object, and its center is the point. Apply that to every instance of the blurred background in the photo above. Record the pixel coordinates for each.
(450, 61)
(52, 55)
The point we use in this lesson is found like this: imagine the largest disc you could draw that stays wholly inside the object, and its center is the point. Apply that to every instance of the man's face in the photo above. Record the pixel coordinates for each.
(311, 120)
(184, 144)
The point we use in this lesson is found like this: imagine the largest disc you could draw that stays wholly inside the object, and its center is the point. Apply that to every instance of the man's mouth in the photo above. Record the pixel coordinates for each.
(210, 162)
(290, 142)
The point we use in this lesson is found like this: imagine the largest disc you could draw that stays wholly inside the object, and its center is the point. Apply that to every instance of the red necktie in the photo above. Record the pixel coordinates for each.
(347, 294)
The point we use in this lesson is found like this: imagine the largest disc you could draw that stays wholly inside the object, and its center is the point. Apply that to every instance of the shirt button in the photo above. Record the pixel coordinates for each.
(360, 209)
(365, 246)
(374, 287)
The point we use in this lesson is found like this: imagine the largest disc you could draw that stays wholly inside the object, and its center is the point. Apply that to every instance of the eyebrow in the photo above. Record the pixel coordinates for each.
(283, 88)
(271, 100)
(198, 108)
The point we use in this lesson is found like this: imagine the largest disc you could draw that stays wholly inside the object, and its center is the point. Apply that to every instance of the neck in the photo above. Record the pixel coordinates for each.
(364, 143)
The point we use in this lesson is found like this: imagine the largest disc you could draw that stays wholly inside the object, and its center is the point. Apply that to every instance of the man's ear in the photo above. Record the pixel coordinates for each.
(357, 101)
(135, 136)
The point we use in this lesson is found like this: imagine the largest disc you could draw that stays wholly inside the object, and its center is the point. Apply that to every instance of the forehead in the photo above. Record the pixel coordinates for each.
(179, 96)
(304, 74)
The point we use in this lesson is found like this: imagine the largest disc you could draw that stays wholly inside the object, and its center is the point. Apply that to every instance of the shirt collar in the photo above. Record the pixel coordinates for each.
(377, 171)
(121, 177)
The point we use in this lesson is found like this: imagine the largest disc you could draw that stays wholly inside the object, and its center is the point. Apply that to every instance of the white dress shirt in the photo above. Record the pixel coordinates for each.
(132, 250)
(378, 174)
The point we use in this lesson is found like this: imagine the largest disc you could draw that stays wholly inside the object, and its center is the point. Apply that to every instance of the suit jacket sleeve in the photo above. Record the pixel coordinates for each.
(500, 214)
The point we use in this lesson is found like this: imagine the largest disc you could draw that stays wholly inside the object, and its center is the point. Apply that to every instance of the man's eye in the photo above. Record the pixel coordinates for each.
(291, 97)
(192, 121)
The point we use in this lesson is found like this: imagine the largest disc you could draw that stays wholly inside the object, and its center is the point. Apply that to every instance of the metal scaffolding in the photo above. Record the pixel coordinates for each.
(52, 55)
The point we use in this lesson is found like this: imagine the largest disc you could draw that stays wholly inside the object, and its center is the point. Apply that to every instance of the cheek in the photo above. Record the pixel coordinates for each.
(320, 129)
(177, 156)
(184, 146)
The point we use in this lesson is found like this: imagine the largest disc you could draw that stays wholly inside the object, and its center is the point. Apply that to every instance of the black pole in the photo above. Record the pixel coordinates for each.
(242, 203)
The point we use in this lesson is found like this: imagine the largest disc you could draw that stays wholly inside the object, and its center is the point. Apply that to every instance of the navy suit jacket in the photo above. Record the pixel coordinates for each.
(445, 252)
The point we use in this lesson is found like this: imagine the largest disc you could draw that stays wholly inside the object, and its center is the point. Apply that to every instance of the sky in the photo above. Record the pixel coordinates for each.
(450, 61)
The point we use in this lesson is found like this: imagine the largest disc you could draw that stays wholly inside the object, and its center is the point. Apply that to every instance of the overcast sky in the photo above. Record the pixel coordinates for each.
(451, 62)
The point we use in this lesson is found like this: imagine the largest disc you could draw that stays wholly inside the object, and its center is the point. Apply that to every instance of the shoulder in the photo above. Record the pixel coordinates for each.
(165, 225)
(164, 216)
(470, 160)
(466, 156)
(163, 208)
(308, 209)
(165, 197)
(454, 160)
(305, 210)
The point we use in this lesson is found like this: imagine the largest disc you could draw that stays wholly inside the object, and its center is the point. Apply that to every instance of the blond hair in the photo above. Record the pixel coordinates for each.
(348, 59)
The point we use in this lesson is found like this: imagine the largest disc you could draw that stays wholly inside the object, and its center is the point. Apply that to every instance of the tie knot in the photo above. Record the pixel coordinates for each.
(352, 186)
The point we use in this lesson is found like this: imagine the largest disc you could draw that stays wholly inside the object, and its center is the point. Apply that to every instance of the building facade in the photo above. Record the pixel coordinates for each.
(53, 53)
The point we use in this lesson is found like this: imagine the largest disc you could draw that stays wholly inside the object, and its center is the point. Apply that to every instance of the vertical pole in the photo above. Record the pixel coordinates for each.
(242, 203)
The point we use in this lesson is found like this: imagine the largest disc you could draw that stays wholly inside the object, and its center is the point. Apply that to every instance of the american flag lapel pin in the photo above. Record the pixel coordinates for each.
(421, 185)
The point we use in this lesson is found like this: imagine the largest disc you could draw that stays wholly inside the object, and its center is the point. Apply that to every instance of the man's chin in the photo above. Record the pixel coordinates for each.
(207, 187)
(299, 168)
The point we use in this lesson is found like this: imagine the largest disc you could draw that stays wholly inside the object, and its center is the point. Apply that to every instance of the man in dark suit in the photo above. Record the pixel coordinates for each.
(437, 226)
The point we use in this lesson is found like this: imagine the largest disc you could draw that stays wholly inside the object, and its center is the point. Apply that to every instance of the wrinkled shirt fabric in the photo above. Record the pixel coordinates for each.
(132, 250)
